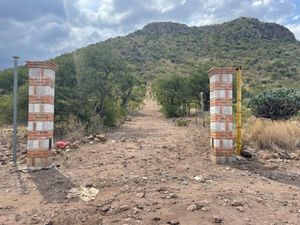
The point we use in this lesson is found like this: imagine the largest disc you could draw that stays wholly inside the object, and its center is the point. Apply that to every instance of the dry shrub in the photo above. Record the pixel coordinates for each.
(72, 129)
(273, 135)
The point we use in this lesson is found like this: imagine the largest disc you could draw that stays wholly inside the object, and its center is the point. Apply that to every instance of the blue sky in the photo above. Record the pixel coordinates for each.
(42, 29)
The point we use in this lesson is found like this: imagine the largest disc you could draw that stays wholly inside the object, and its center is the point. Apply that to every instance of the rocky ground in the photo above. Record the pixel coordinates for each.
(150, 171)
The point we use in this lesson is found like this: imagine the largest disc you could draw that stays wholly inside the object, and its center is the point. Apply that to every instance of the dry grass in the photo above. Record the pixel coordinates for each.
(72, 129)
(266, 134)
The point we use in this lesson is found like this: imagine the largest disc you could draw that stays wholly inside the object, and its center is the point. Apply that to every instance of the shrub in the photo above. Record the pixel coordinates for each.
(267, 134)
(276, 104)
(182, 123)
(71, 129)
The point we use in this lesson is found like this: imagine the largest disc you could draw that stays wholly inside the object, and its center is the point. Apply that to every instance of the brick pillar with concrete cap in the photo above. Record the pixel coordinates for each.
(40, 113)
(221, 119)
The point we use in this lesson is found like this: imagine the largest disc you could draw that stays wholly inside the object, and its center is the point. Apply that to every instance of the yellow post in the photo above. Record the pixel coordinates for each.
(239, 111)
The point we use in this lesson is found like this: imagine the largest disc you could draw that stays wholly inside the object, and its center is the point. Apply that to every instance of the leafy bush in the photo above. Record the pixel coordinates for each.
(276, 104)
(6, 106)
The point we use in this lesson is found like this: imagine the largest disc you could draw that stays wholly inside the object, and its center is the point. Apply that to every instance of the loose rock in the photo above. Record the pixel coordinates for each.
(174, 222)
(218, 219)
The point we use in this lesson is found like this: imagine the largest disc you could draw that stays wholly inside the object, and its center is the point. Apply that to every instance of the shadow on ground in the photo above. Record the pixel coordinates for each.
(256, 167)
(52, 185)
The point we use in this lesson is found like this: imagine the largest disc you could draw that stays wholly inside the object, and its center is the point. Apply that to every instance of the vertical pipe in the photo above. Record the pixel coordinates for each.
(15, 109)
(239, 111)
(202, 106)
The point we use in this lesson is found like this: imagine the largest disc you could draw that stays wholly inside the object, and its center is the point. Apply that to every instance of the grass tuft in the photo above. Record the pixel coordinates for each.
(273, 135)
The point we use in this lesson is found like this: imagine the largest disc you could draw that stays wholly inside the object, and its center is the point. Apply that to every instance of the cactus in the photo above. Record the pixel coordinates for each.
(276, 104)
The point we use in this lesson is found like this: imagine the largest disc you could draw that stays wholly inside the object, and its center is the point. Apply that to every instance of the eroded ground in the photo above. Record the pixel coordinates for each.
(145, 173)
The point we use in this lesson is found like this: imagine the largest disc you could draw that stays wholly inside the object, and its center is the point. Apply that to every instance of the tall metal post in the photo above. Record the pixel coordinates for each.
(202, 106)
(239, 111)
(15, 109)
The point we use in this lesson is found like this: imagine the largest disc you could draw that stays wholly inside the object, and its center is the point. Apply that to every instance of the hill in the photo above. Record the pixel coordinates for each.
(268, 53)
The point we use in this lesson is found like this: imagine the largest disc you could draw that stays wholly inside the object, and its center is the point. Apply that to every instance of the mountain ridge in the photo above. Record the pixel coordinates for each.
(261, 30)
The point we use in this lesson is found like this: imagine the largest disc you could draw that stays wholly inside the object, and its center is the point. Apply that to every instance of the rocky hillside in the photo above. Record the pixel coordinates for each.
(268, 52)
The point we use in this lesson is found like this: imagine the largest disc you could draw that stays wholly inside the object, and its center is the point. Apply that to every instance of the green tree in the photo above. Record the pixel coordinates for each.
(171, 92)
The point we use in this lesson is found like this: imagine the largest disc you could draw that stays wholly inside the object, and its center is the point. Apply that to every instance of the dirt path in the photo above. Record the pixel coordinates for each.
(146, 175)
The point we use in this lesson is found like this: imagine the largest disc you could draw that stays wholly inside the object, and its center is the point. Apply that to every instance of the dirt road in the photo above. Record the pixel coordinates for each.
(150, 172)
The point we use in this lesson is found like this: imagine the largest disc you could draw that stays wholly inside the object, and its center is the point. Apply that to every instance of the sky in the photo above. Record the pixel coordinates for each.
(43, 29)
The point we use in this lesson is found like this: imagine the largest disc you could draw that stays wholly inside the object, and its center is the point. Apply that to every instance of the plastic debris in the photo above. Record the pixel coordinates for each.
(84, 193)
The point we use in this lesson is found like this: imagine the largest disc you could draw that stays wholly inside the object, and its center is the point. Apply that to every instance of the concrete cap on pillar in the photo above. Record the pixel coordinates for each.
(221, 70)
(42, 64)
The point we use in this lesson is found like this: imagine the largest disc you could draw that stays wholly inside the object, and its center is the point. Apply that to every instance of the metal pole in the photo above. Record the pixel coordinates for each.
(239, 111)
(15, 109)
(202, 106)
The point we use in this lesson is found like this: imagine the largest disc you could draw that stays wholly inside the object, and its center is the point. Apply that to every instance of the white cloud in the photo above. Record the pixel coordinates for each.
(103, 11)
(259, 3)
(69, 24)
(295, 28)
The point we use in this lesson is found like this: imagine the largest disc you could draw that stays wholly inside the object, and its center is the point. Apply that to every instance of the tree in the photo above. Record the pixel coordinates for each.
(171, 92)
(276, 104)
(105, 83)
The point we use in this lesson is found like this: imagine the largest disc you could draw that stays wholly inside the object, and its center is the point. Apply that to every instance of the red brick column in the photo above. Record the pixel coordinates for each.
(221, 119)
(40, 113)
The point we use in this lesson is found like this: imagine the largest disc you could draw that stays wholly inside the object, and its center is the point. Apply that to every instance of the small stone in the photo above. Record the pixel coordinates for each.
(135, 210)
(161, 189)
(124, 208)
(140, 195)
(89, 184)
(18, 217)
(200, 179)
(240, 208)
(247, 153)
(184, 182)
(293, 155)
(90, 138)
(192, 207)
(236, 203)
(172, 195)
(284, 155)
(101, 137)
(156, 218)
(218, 219)
(74, 145)
(174, 222)
(205, 208)
(248, 219)
(106, 208)
(259, 200)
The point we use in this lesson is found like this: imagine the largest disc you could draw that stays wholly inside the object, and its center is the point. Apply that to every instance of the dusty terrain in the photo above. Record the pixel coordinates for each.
(145, 174)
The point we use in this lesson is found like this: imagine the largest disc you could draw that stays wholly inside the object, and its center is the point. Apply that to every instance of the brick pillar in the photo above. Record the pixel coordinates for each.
(40, 113)
(221, 119)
